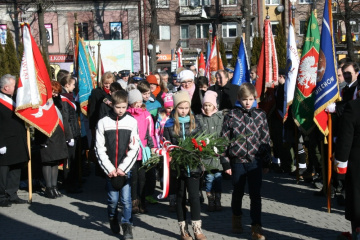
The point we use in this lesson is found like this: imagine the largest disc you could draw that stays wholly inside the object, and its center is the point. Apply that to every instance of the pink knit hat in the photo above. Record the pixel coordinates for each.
(168, 100)
(210, 97)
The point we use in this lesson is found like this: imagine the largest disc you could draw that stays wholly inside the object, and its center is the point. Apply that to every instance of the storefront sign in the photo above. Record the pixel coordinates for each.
(61, 58)
(163, 57)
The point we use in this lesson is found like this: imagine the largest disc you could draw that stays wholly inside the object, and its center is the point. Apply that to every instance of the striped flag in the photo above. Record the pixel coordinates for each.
(34, 103)
(327, 89)
(179, 57)
(242, 69)
(303, 104)
(292, 67)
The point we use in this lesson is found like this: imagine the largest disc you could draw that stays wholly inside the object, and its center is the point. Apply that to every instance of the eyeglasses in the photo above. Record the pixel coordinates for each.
(186, 82)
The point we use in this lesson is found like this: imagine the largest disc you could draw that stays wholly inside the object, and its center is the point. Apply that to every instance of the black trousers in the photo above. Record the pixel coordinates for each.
(192, 186)
(138, 181)
(9, 181)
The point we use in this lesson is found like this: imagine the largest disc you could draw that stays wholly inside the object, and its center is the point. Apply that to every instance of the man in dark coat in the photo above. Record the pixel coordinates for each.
(13, 147)
(227, 92)
(347, 160)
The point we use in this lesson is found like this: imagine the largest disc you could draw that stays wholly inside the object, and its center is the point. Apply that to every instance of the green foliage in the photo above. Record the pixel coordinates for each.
(280, 45)
(235, 51)
(3, 67)
(20, 51)
(222, 52)
(256, 50)
(11, 60)
(191, 151)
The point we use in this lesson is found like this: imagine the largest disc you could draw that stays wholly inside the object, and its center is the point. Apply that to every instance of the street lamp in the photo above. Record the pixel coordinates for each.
(293, 8)
(150, 47)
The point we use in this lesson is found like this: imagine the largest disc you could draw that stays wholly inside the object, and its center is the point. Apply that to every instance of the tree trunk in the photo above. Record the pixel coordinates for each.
(349, 42)
(42, 31)
(154, 29)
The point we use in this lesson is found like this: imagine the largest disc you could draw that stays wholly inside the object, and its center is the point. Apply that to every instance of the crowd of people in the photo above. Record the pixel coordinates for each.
(130, 114)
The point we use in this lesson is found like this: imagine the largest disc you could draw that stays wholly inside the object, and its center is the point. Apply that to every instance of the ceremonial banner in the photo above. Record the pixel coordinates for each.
(267, 68)
(85, 80)
(303, 104)
(201, 67)
(179, 56)
(92, 66)
(292, 67)
(215, 58)
(327, 89)
(267, 71)
(34, 103)
(242, 69)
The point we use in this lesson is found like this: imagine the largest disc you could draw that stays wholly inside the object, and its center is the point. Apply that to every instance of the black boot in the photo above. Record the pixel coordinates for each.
(57, 192)
(49, 193)
(114, 225)
(127, 231)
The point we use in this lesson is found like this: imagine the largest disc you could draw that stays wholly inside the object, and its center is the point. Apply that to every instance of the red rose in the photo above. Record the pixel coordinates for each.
(203, 143)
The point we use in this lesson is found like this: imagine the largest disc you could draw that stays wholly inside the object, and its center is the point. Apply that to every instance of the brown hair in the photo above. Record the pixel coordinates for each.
(56, 87)
(66, 79)
(106, 76)
(62, 73)
(143, 86)
(226, 74)
(119, 97)
(177, 123)
(246, 90)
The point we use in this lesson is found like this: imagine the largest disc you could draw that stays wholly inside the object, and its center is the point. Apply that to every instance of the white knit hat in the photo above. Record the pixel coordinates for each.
(134, 96)
(186, 75)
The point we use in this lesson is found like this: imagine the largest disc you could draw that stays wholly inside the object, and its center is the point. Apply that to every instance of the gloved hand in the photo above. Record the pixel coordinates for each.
(71, 143)
(331, 108)
(3, 150)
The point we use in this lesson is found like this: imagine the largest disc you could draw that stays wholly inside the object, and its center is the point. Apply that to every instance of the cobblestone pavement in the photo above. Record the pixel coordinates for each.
(290, 211)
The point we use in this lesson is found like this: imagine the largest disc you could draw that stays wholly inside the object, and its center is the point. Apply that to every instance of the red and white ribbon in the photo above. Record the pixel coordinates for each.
(164, 151)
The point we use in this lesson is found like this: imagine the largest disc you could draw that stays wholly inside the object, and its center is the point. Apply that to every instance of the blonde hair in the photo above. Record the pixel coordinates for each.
(177, 123)
(246, 90)
(106, 76)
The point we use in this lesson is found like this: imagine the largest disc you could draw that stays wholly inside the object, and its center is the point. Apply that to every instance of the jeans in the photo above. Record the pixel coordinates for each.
(113, 200)
(192, 186)
(213, 182)
(253, 173)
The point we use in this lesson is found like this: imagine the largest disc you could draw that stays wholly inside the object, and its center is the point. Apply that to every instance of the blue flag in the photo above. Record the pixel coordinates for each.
(85, 82)
(242, 70)
(327, 90)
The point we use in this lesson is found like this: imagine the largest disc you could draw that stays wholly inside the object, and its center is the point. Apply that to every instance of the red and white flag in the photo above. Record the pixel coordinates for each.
(34, 103)
(179, 57)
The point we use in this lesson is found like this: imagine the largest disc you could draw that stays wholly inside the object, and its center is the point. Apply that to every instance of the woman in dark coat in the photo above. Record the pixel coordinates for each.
(347, 160)
(53, 149)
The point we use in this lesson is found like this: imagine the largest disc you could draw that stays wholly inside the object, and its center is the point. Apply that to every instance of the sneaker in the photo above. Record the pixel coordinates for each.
(114, 225)
(150, 199)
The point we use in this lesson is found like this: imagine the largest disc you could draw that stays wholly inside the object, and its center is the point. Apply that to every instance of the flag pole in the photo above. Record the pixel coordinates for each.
(29, 162)
(98, 64)
(329, 164)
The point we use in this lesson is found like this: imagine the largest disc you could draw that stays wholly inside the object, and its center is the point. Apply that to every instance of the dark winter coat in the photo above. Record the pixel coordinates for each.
(348, 149)
(210, 125)
(347, 95)
(227, 95)
(70, 115)
(95, 101)
(171, 136)
(12, 134)
(252, 125)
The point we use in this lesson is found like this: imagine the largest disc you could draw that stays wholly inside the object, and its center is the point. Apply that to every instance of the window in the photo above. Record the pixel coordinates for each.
(305, 1)
(162, 3)
(184, 31)
(274, 27)
(303, 25)
(184, 3)
(229, 2)
(229, 30)
(272, 2)
(334, 6)
(205, 2)
(164, 32)
(354, 27)
(202, 30)
(83, 30)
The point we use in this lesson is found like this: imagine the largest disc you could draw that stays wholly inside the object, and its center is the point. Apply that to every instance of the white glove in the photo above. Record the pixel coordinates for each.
(331, 108)
(3, 150)
(71, 143)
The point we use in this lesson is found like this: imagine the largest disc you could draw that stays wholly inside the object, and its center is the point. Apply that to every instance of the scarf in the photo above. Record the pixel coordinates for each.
(190, 90)
(156, 91)
(106, 90)
(210, 114)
